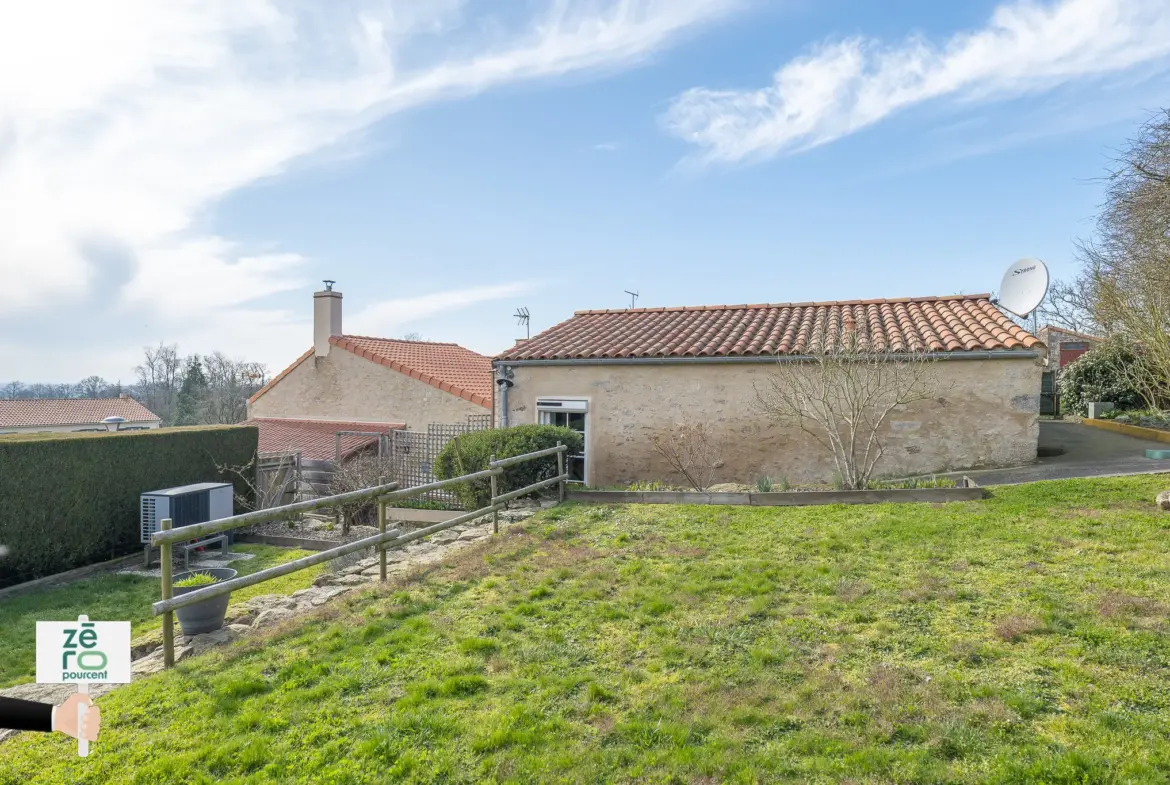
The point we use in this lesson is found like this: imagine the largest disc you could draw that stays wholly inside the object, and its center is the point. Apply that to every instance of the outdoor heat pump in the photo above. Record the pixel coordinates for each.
(187, 504)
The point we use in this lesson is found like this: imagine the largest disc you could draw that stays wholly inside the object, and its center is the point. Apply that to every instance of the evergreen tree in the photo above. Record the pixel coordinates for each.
(192, 394)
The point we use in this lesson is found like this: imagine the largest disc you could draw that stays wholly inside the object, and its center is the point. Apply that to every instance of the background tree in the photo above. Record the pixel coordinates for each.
(192, 394)
(412, 336)
(13, 390)
(1127, 262)
(846, 393)
(92, 387)
(229, 385)
(159, 378)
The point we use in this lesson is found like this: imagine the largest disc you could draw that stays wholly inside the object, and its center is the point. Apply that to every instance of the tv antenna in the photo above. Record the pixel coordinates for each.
(633, 297)
(524, 318)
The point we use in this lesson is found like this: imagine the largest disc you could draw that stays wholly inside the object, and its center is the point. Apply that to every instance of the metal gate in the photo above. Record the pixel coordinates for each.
(411, 455)
(1049, 394)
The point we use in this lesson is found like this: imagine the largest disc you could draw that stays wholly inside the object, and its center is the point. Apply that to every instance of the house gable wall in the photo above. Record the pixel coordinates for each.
(988, 415)
(343, 386)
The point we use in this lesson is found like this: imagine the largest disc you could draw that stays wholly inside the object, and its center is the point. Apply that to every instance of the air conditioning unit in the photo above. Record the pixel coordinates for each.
(185, 505)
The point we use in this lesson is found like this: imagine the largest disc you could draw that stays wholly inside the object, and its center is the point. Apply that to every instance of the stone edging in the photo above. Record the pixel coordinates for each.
(780, 499)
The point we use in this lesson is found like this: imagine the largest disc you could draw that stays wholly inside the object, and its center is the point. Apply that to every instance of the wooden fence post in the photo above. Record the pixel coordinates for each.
(167, 591)
(495, 513)
(382, 530)
(560, 471)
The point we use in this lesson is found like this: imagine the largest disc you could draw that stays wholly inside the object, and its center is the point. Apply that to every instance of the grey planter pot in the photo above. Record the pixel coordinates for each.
(206, 616)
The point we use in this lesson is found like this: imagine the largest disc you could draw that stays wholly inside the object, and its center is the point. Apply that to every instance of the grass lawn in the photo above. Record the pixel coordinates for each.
(1018, 639)
(113, 597)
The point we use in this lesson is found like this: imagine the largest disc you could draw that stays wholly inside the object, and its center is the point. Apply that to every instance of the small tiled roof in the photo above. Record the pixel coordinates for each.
(315, 440)
(952, 324)
(1065, 331)
(31, 412)
(446, 366)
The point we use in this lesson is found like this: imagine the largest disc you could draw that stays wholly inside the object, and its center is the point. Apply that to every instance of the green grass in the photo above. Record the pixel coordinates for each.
(112, 597)
(1018, 639)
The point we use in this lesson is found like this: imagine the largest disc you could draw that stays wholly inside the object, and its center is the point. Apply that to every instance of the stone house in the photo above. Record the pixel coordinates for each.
(69, 415)
(1065, 345)
(358, 383)
(621, 376)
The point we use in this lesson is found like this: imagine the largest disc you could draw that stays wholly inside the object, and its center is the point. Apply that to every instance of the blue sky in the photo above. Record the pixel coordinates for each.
(189, 172)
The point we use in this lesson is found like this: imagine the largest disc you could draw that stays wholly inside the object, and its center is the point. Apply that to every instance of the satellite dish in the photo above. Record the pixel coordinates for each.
(1024, 287)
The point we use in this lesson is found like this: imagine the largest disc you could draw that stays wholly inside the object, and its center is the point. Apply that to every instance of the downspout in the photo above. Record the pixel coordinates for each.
(504, 381)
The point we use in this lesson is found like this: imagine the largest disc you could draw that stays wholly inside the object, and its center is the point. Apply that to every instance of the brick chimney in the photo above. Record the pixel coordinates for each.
(326, 318)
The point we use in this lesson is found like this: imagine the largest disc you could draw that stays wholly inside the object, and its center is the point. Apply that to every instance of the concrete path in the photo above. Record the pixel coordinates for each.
(1088, 452)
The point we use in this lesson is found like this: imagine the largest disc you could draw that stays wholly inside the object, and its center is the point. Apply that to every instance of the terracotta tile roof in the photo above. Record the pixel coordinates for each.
(953, 324)
(315, 440)
(446, 366)
(30, 412)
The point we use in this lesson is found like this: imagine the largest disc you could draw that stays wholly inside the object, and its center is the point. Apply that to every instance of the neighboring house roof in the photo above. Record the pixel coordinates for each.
(315, 440)
(446, 366)
(1065, 331)
(30, 412)
(953, 324)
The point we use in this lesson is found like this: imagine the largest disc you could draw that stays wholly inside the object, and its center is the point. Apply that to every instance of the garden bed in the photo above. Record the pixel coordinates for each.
(968, 491)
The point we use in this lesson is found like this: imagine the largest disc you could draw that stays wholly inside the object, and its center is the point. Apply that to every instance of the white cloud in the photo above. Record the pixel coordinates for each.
(844, 86)
(605, 147)
(385, 317)
(123, 122)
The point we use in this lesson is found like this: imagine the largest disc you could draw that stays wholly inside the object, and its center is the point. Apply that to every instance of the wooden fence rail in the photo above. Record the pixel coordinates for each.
(382, 541)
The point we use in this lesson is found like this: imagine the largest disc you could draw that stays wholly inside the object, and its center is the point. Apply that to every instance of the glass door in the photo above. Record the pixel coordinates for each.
(575, 421)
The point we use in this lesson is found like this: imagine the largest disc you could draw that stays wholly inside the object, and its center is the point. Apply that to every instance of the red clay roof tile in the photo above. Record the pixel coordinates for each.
(31, 412)
(955, 323)
(467, 375)
(315, 440)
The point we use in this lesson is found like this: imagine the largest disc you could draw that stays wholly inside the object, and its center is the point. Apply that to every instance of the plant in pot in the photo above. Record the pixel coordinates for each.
(208, 615)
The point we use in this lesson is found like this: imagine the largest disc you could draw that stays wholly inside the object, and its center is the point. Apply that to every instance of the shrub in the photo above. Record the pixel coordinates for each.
(1097, 375)
(471, 452)
(71, 499)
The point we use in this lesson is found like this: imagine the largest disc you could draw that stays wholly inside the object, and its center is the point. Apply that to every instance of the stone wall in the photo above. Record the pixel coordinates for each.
(987, 414)
(343, 386)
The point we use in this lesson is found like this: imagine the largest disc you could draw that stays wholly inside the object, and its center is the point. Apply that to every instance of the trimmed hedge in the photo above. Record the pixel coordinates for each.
(471, 452)
(68, 500)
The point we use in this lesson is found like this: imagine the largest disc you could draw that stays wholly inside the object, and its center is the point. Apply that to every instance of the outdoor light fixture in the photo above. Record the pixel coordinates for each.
(113, 423)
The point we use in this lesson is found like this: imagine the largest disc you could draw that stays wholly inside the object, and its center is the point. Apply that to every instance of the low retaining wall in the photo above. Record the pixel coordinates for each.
(289, 542)
(410, 515)
(1152, 434)
(781, 499)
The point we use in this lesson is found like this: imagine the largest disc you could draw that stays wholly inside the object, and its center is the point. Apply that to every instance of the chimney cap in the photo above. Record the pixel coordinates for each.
(328, 284)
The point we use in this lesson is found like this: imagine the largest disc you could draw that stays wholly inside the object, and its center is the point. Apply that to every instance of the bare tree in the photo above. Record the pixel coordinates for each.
(846, 392)
(13, 390)
(693, 450)
(412, 336)
(1069, 304)
(159, 378)
(92, 387)
(1128, 260)
(229, 385)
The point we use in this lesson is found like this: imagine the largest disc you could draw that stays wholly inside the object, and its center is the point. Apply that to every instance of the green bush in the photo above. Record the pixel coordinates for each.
(71, 499)
(1096, 376)
(471, 452)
